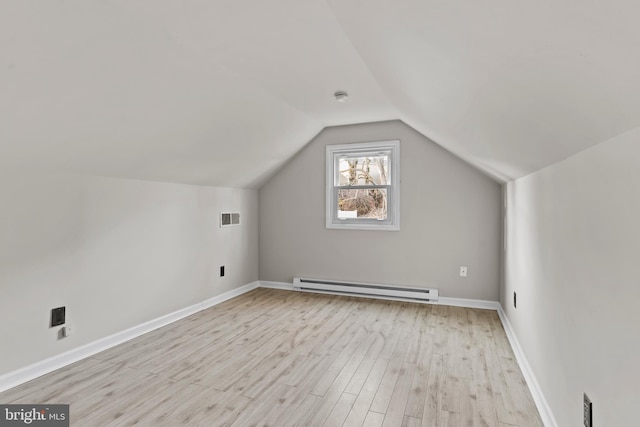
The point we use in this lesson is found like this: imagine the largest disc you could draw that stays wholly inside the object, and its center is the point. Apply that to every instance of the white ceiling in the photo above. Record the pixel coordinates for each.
(224, 92)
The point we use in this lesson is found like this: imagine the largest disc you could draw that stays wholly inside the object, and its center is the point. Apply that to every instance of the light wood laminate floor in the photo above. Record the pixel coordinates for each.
(283, 358)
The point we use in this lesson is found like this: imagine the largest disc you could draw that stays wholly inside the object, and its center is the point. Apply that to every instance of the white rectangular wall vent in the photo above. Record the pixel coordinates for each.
(229, 219)
(365, 289)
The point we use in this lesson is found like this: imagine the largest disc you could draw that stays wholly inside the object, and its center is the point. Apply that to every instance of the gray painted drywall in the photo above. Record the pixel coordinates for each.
(115, 252)
(450, 216)
(573, 252)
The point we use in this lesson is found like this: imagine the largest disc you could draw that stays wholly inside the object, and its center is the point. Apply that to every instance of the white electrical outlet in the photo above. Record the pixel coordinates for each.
(463, 271)
(67, 331)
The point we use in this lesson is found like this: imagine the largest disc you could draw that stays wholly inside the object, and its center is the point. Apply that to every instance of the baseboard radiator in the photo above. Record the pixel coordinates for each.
(365, 289)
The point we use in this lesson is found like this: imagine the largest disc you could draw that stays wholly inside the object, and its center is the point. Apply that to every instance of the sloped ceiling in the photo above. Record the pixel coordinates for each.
(224, 92)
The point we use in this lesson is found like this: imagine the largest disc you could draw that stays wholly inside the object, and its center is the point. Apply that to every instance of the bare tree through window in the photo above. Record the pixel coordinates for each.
(361, 198)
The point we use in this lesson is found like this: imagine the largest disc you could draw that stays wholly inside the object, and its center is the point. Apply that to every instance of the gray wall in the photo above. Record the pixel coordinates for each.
(115, 252)
(573, 254)
(450, 216)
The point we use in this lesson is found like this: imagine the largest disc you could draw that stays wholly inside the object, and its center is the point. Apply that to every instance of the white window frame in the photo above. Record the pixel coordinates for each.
(333, 153)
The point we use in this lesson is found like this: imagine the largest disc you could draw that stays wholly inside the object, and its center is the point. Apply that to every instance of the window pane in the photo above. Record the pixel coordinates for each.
(364, 170)
(363, 203)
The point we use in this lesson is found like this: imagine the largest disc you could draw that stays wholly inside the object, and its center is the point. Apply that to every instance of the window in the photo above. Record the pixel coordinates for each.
(363, 186)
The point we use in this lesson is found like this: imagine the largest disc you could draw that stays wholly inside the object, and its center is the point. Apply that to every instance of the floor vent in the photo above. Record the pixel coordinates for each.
(365, 289)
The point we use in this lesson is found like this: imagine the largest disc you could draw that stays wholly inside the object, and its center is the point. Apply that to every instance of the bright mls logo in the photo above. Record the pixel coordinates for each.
(34, 415)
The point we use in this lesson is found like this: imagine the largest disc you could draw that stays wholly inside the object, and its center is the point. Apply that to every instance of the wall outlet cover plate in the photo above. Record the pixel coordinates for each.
(588, 411)
(57, 316)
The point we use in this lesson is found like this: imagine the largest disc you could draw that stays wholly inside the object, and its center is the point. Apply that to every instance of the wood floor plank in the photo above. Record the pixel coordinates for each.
(346, 356)
(373, 419)
(161, 409)
(282, 358)
(286, 399)
(303, 404)
(75, 378)
(387, 386)
(484, 389)
(258, 378)
(431, 415)
(296, 415)
(259, 411)
(500, 341)
(394, 415)
(521, 404)
(259, 382)
(233, 407)
(452, 419)
(340, 411)
(418, 395)
(196, 364)
(311, 370)
(205, 405)
(362, 373)
(361, 406)
(121, 403)
(336, 390)
(411, 422)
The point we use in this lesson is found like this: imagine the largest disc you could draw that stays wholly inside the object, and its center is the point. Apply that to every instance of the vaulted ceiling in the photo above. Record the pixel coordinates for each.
(222, 93)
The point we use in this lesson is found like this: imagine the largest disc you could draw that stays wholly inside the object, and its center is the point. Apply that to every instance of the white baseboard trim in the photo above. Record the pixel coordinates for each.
(536, 392)
(276, 285)
(22, 375)
(228, 295)
(469, 303)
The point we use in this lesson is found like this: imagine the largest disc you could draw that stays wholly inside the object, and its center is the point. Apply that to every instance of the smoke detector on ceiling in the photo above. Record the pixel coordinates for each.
(341, 96)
